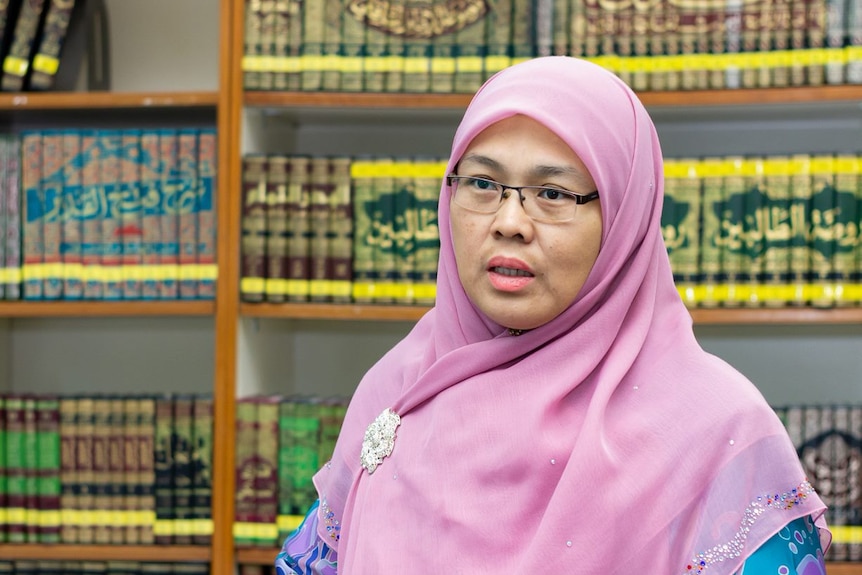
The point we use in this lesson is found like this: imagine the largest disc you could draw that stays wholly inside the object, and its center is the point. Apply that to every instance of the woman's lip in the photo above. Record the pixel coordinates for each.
(511, 263)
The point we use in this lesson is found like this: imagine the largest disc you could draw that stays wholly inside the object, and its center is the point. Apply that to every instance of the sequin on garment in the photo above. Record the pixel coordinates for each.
(755, 509)
(379, 440)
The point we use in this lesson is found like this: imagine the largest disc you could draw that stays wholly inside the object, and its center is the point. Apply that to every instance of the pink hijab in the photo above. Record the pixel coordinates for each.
(605, 441)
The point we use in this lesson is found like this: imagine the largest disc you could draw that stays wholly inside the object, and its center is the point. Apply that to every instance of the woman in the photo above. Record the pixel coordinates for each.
(553, 411)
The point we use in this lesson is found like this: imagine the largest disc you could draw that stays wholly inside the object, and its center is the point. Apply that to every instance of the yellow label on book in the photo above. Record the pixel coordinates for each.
(297, 287)
(350, 64)
(496, 63)
(48, 517)
(202, 526)
(243, 530)
(46, 64)
(425, 291)
(163, 527)
(188, 271)
(207, 271)
(289, 522)
(15, 66)
(341, 288)
(414, 65)
(251, 285)
(469, 64)
(846, 533)
(364, 290)
(320, 287)
(16, 515)
(266, 531)
(34, 272)
(275, 286)
(443, 65)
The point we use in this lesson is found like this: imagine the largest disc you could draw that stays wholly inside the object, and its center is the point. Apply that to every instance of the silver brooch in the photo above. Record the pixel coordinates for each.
(379, 439)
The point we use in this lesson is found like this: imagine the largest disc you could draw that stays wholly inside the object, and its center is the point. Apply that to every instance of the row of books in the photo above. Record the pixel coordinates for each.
(377, 46)
(115, 567)
(108, 214)
(828, 439)
(280, 443)
(105, 469)
(739, 230)
(765, 231)
(340, 229)
(32, 37)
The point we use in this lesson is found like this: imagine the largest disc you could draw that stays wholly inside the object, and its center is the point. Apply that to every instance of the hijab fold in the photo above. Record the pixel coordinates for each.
(605, 441)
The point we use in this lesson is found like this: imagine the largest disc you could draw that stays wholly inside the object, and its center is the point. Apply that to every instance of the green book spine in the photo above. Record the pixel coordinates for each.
(112, 247)
(130, 217)
(710, 292)
(822, 231)
(189, 207)
(682, 230)
(640, 47)
(395, 48)
(498, 37)
(403, 231)
(313, 18)
(286, 518)
(151, 233)
(375, 61)
(364, 277)
(847, 237)
(46, 60)
(31, 465)
(443, 61)
(52, 197)
(560, 27)
(169, 220)
(69, 482)
(331, 418)
(252, 47)
(277, 177)
(267, 44)
(4, 480)
(321, 189)
(285, 14)
(800, 212)
(48, 468)
(352, 46)
(202, 467)
(470, 52)
(16, 63)
(816, 36)
(207, 213)
(775, 225)
(755, 241)
(244, 528)
(266, 478)
(298, 243)
(254, 227)
(181, 468)
(101, 478)
(3, 225)
(578, 28)
(33, 227)
(119, 516)
(301, 431)
(163, 461)
(331, 59)
(428, 174)
(382, 217)
(836, 30)
(523, 30)
(733, 238)
(291, 64)
(340, 232)
(417, 51)
(16, 474)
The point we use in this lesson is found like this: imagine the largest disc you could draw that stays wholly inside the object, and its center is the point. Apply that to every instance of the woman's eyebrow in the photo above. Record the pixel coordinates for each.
(482, 160)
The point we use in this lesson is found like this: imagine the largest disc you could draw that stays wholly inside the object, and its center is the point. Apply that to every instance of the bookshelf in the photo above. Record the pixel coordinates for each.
(232, 348)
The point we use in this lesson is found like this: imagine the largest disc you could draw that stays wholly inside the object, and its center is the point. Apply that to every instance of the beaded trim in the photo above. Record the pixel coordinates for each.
(755, 509)
(332, 525)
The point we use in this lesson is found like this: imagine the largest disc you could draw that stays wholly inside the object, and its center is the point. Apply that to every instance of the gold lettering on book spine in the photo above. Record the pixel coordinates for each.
(420, 19)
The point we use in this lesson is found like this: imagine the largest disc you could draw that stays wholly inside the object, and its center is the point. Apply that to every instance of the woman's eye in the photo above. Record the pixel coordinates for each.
(482, 184)
(551, 194)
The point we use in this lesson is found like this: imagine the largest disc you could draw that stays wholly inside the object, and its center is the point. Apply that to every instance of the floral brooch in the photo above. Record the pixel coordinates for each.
(379, 439)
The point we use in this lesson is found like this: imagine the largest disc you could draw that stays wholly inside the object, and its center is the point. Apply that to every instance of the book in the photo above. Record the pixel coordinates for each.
(393, 80)
(298, 240)
(101, 477)
(403, 230)
(732, 236)
(266, 472)
(381, 230)
(52, 186)
(16, 62)
(72, 217)
(321, 188)
(169, 220)
(16, 471)
(417, 51)
(91, 227)
(427, 175)
(330, 59)
(470, 50)
(313, 21)
(299, 432)
(776, 227)
(443, 60)
(340, 232)
(822, 234)
(207, 214)
(254, 229)
(266, 44)
(8, 18)
(290, 64)
(252, 45)
(362, 175)
(46, 60)
(3, 270)
(131, 460)
(12, 182)
(376, 56)
(202, 469)
(151, 202)
(276, 236)
(182, 438)
(800, 247)
(711, 293)
(69, 483)
(33, 501)
(285, 17)
(33, 215)
(187, 205)
(130, 208)
(85, 422)
(117, 479)
(111, 274)
(244, 528)
(163, 465)
(846, 215)
(47, 411)
(754, 241)
(145, 477)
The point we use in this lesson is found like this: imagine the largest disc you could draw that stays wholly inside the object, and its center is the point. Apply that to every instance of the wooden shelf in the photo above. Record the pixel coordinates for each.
(721, 316)
(106, 100)
(696, 98)
(844, 568)
(105, 309)
(173, 553)
(257, 555)
(332, 311)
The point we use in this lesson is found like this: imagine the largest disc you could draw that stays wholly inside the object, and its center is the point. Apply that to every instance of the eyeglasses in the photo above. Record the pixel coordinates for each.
(541, 203)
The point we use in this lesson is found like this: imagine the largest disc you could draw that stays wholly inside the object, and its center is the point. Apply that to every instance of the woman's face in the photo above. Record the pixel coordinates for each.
(523, 273)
